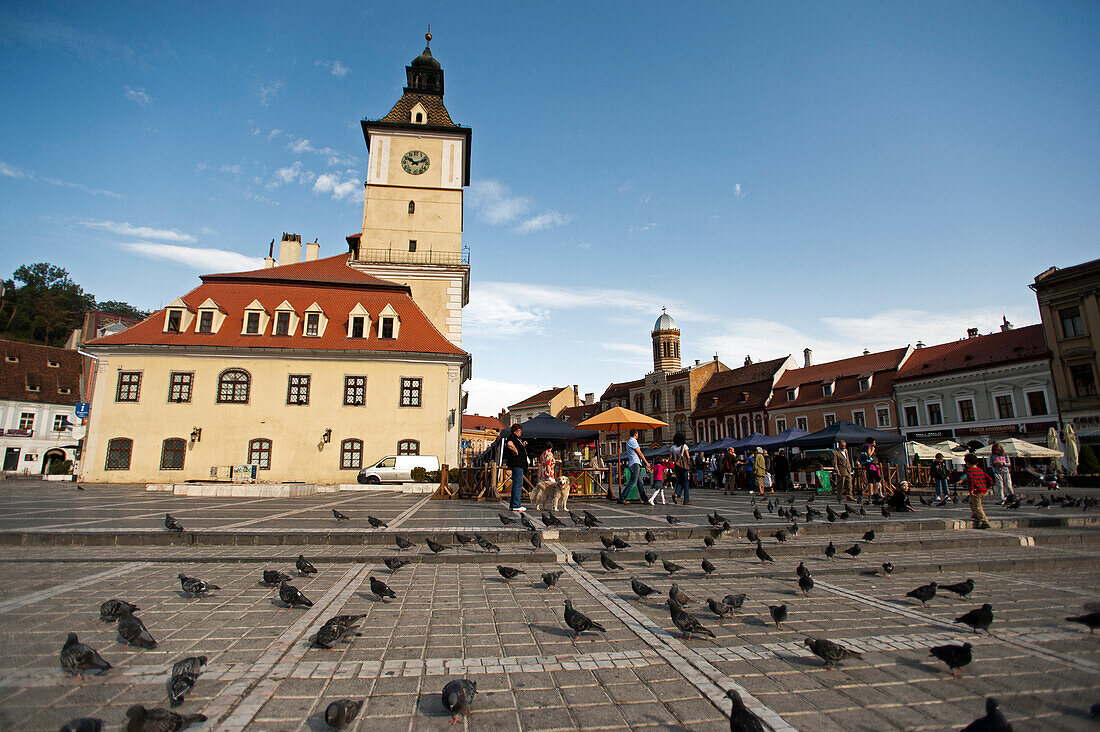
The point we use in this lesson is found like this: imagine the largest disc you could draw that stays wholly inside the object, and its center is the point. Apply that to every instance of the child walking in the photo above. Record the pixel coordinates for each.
(661, 470)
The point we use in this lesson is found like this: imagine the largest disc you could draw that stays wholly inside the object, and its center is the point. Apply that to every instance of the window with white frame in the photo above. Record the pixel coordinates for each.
(313, 324)
(827, 389)
(26, 421)
(830, 419)
(355, 391)
(911, 418)
(935, 412)
(801, 423)
(865, 383)
(206, 321)
(175, 318)
(1037, 403)
(780, 425)
(129, 386)
(297, 389)
(179, 386)
(1006, 409)
(60, 422)
(792, 394)
(966, 410)
(859, 418)
(252, 323)
(389, 324)
(882, 414)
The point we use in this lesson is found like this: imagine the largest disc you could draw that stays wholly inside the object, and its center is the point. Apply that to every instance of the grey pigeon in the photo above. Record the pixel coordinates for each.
(171, 524)
(854, 551)
(435, 546)
(829, 652)
(536, 541)
(650, 537)
(720, 609)
(84, 724)
(830, 551)
(183, 676)
(380, 589)
(954, 656)
(579, 558)
(979, 618)
(78, 658)
(675, 593)
(962, 589)
(527, 523)
(550, 579)
(869, 535)
(708, 542)
(707, 567)
(1089, 620)
(618, 543)
(304, 567)
(110, 610)
(333, 630)
(376, 522)
(292, 596)
(274, 577)
(761, 554)
(885, 512)
(671, 567)
(756, 514)
(806, 583)
(159, 720)
(580, 622)
(780, 536)
(924, 593)
(641, 589)
(672, 520)
(194, 586)
(577, 520)
(458, 697)
(608, 563)
(752, 536)
(463, 539)
(394, 564)
(651, 557)
(735, 601)
(887, 568)
(993, 721)
(687, 622)
(506, 520)
(133, 630)
(830, 514)
(551, 520)
(801, 570)
(402, 542)
(590, 521)
(741, 718)
(339, 516)
(509, 573)
(339, 713)
(779, 614)
(486, 544)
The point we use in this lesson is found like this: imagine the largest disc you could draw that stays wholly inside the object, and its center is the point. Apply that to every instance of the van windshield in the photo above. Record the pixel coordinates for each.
(387, 463)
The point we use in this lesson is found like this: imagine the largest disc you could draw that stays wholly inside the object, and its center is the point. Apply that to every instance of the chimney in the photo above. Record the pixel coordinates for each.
(1005, 325)
(748, 360)
(576, 396)
(290, 249)
(269, 260)
(971, 332)
(920, 344)
(312, 250)
(696, 362)
(866, 352)
(809, 357)
(590, 398)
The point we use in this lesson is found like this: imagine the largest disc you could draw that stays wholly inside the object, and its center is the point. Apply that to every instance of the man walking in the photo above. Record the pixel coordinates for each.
(634, 461)
(979, 483)
(729, 470)
(843, 470)
(515, 456)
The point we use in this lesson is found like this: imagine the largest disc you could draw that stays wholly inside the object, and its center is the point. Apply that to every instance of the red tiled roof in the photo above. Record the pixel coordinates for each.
(738, 390)
(1018, 344)
(543, 397)
(330, 282)
(744, 375)
(818, 373)
(579, 413)
(478, 422)
(432, 103)
(845, 375)
(32, 369)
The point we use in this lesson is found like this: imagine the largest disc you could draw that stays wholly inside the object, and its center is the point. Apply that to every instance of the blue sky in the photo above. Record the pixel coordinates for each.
(779, 175)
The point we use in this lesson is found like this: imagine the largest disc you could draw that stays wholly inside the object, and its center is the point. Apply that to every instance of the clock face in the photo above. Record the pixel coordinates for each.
(414, 162)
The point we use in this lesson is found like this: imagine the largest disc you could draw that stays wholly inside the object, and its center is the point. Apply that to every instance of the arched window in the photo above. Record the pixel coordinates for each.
(118, 453)
(412, 204)
(678, 397)
(676, 349)
(655, 400)
(419, 118)
(759, 424)
(259, 453)
(351, 454)
(172, 452)
(700, 433)
(731, 427)
(408, 447)
(233, 385)
(639, 403)
(744, 427)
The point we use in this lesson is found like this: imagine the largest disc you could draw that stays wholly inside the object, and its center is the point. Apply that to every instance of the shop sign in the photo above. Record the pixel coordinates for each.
(930, 435)
(994, 429)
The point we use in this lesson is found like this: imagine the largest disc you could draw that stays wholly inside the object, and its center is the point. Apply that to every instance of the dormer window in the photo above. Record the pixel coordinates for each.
(206, 321)
(282, 323)
(178, 316)
(286, 319)
(11, 359)
(313, 321)
(255, 319)
(358, 322)
(827, 389)
(865, 383)
(252, 323)
(53, 364)
(357, 326)
(792, 394)
(418, 114)
(210, 317)
(388, 322)
(175, 319)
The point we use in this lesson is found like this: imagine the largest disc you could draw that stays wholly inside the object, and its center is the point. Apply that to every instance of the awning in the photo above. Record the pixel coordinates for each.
(853, 434)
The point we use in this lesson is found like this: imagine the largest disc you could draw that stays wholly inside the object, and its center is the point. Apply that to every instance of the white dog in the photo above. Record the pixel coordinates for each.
(557, 490)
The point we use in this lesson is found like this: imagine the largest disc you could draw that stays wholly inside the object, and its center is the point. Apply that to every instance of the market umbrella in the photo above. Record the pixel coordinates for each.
(616, 420)
(1052, 443)
(546, 427)
(924, 452)
(1073, 450)
(1014, 447)
(946, 446)
(853, 434)
(780, 440)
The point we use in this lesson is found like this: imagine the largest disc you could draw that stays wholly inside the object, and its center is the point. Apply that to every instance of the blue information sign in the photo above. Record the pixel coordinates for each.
(82, 409)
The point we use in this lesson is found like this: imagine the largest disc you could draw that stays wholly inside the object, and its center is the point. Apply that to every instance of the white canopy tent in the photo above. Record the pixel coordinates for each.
(1020, 449)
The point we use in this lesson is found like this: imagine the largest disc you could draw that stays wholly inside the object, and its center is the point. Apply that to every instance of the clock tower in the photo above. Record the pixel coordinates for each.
(418, 164)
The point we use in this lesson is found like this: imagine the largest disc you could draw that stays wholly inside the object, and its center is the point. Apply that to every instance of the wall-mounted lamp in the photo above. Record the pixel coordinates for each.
(196, 434)
(451, 419)
(327, 436)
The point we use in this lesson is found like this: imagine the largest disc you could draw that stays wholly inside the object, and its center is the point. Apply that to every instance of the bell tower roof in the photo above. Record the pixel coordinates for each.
(425, 74)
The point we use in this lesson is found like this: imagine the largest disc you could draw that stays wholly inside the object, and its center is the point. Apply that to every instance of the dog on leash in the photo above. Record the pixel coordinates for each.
(551, 492)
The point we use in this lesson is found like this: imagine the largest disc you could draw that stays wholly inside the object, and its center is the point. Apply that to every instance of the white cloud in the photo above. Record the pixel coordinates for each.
(489, 397)
(50, 33)
(234, 169)
(340, 189)
(737, 192)
(332, 157)
(145, 232)
(493, 314)
(267, 91)
(207, 260)
(335, 68)
(138, 96)
(285, 175)
(12, 171)
(498, 206)
(542, 222)
(640, 228)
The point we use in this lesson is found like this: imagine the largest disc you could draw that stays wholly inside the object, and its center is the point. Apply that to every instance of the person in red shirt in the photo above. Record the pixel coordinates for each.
(978, 482)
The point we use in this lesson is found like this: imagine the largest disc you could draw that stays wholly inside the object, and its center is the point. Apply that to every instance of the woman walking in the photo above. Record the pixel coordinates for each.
(869, 462)
(682, 460)
(1002, 471)
(760, 469)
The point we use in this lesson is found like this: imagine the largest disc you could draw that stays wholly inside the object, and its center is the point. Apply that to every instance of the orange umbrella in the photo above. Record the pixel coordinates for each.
(618, 419)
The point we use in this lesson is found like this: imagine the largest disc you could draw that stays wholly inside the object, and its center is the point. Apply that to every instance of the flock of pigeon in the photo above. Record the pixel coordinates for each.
(458, 695)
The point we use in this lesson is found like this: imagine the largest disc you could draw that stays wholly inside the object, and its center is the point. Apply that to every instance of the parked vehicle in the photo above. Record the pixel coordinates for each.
(397, 468)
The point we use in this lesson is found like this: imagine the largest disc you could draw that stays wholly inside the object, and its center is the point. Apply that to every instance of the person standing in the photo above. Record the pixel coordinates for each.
(681, 459)
(843, 470)
(634, 461)
(729, 471)
(699, 464)
(940, 474)
(979, 483)
(1002, 471)
(547, 464)
(869, 462)
(760, 469)
(781, 471)
(515, 457)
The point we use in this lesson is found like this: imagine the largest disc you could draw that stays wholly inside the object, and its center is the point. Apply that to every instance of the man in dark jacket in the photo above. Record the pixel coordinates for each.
(515, 457)
(781, 469)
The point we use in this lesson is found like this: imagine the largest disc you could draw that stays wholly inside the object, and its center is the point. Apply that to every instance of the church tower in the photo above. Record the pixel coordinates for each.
(418, 164)
(666, 344)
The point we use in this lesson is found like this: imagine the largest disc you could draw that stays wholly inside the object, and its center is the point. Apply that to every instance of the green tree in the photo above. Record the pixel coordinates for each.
(117, 307)
(45, 308)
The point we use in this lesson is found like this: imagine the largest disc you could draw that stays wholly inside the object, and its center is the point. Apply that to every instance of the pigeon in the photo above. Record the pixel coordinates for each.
(486, 544)
(993, 721)
(954, 656)
(394, 564)
(752, 536)
(780, 536)
(687, 622)
(805, 583)
(649, 537)
(182, 678)
(675, 593)
(551, 520)
(762, 555)
(924, 593)
(133, 630)
(339, 713)
(979, 618)
(830, 514)
(194, 586)
(862, 511)
(527, 523)
(672, 520)
(78, 658)
(606, 541)
(650, 558)
(641, 589)
(720, 609)
(830, 551)
(380, 589)
(341, 517)
(463, 539)
(376, 522)
(712, 520)
(274, 577)
(171, 524)
(159, 720)
(845, 514)
(508, 573)
(719, 519)
(580, 622)
(741, 718)
(110, 610)
(84, 724)
(671, 567)
(619, 543)
(1090, 620)
(536, 541)
(735, 601)
(801, 570)
(608, 563)
(334, 629)
(756, 514)
(962, 589)
(707, 567)
(831, 653)
(708, 542)
(436, 547)
(887, 568)
(577, 520)
(853, 550)
(590, 521)
(292, 596)
(779, 614)
(304, 567)
(506, 520)
(458, 697)
(793, 529)
(402, 542)
(550, 579)
(869, 536)
(579, 558)
(885, 512)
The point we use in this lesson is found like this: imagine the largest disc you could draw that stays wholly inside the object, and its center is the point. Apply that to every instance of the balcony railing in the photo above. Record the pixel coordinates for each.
(398, 256)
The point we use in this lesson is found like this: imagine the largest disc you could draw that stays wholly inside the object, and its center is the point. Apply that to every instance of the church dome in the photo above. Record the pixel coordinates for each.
(426, 60)
(665, 322)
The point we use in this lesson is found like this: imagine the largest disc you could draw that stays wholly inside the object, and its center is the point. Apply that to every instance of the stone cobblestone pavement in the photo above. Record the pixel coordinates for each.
(454, 616)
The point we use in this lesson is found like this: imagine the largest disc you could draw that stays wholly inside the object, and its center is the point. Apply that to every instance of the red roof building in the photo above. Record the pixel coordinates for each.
(734, 403)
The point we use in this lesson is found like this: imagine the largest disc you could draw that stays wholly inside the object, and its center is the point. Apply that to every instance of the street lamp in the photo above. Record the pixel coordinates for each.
(327, 436)
(196, 434)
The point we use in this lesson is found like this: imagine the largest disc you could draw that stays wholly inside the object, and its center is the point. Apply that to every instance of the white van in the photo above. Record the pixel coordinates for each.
(397, 468)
